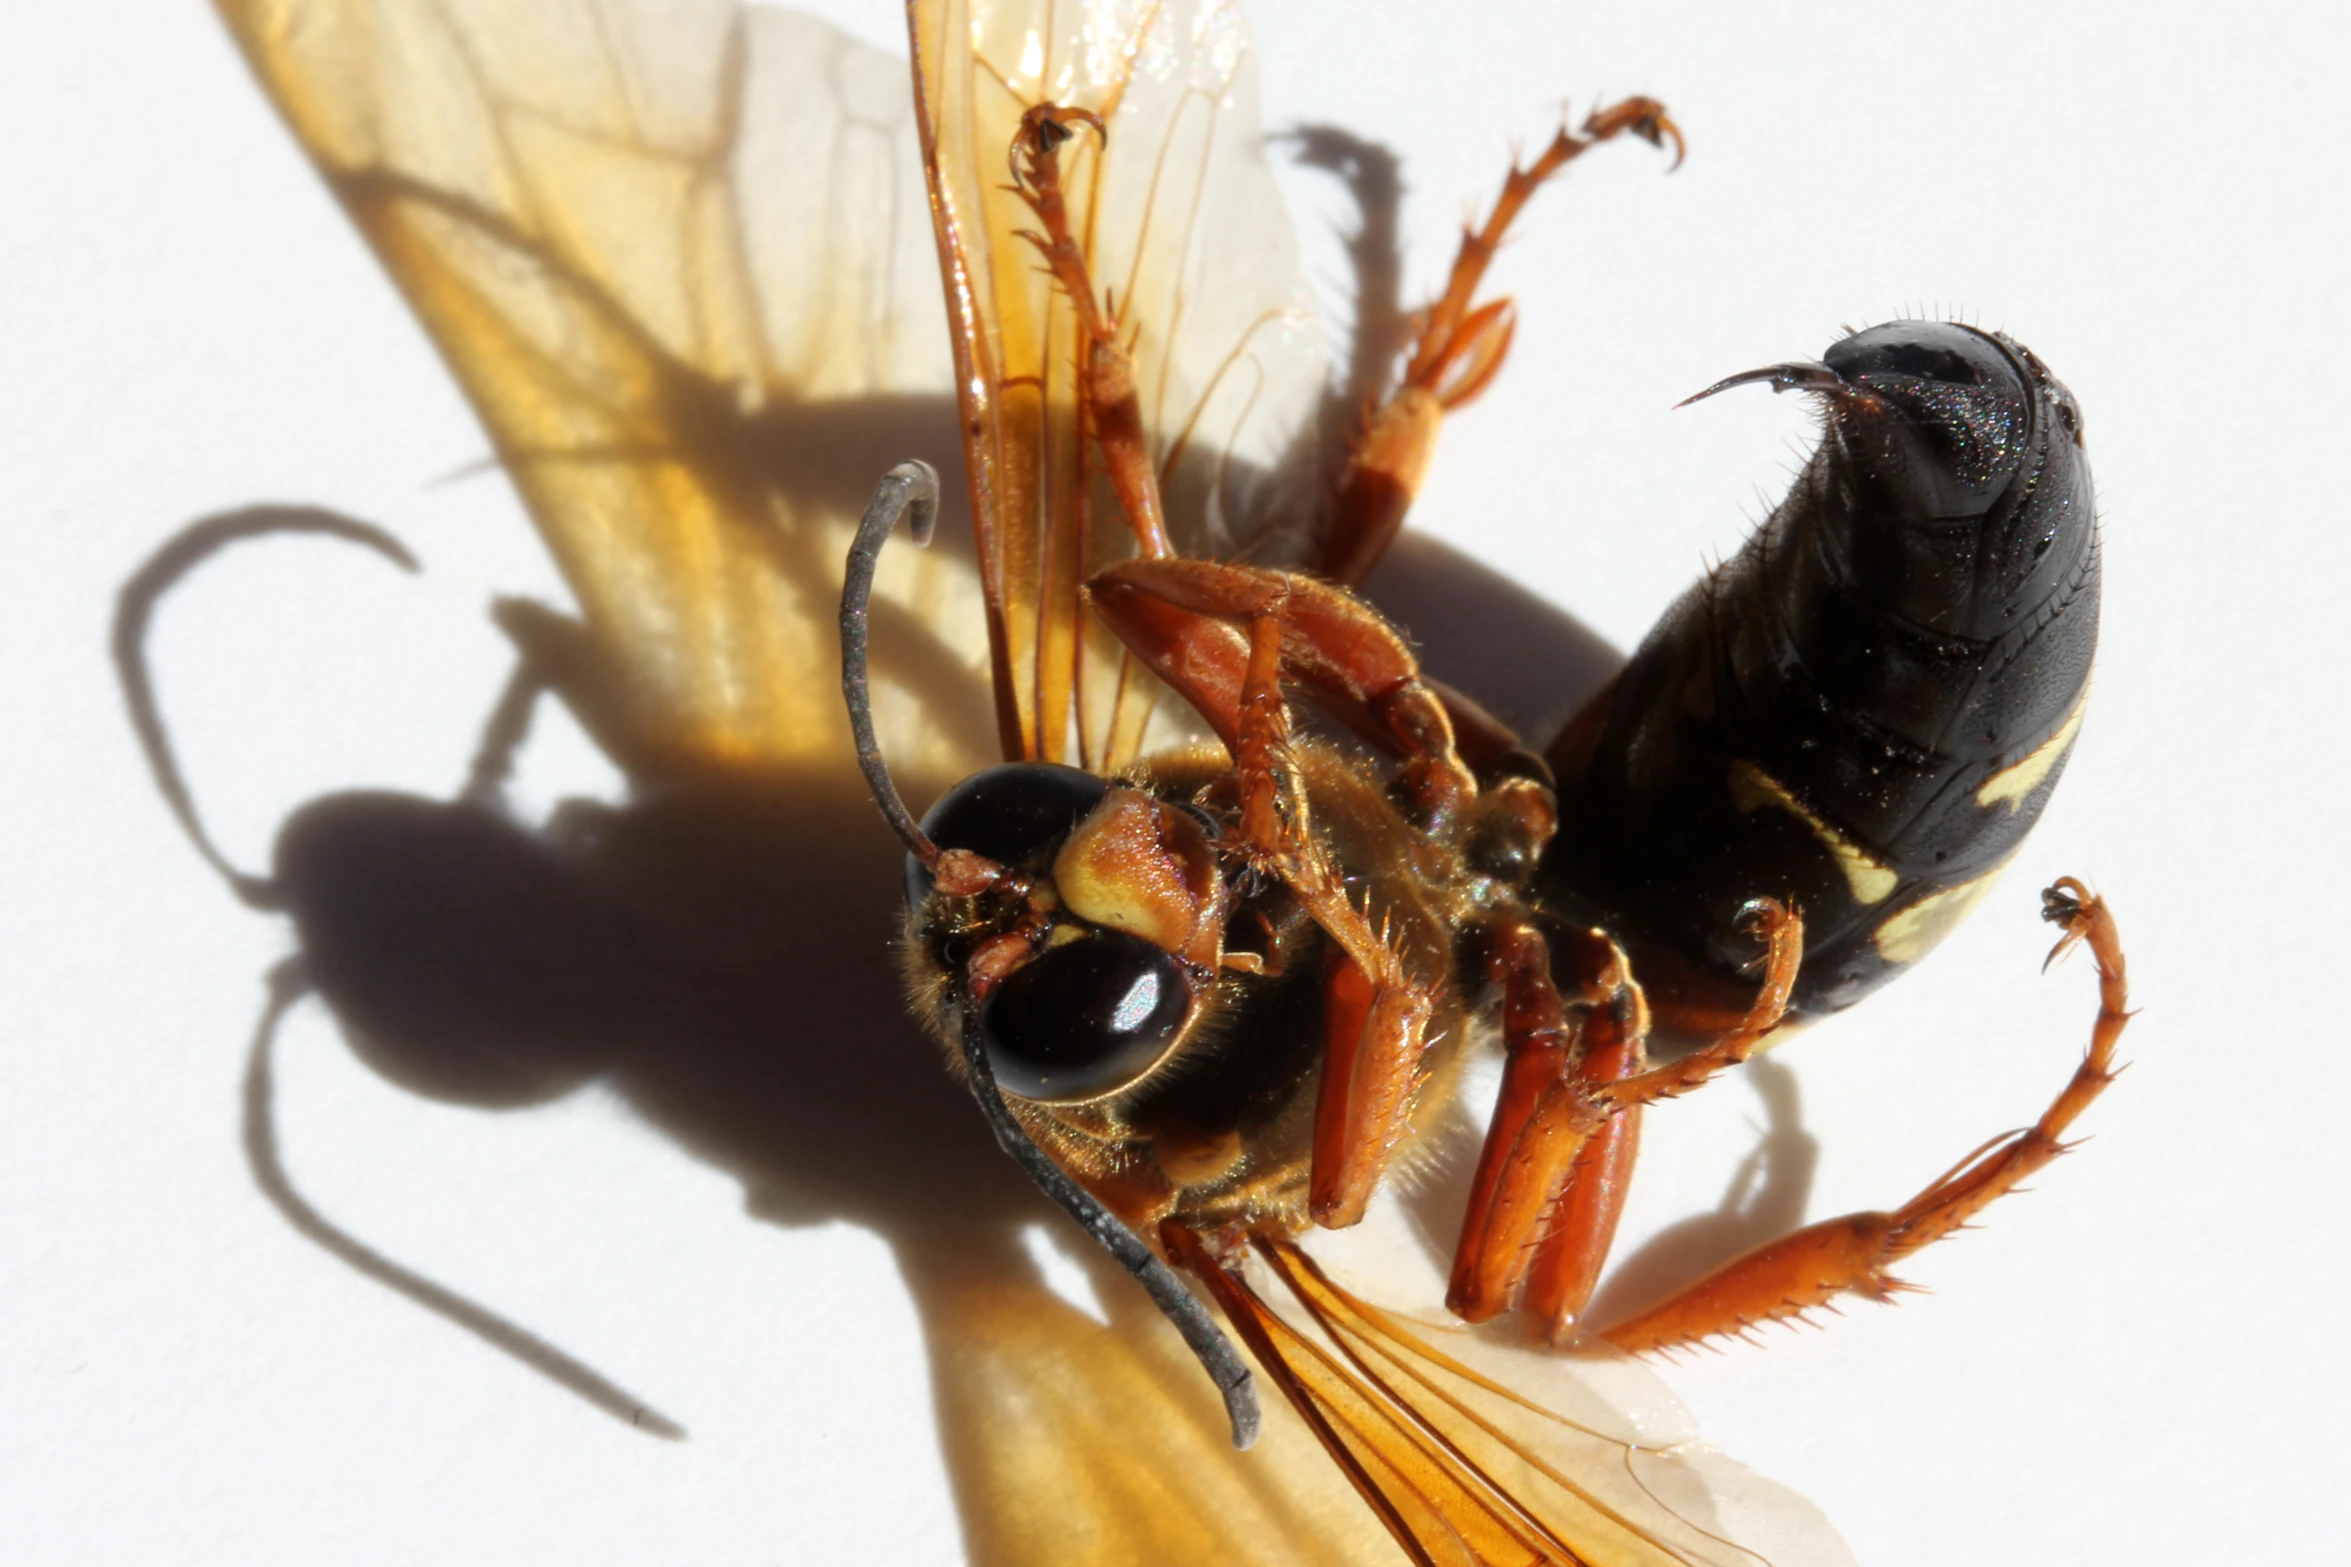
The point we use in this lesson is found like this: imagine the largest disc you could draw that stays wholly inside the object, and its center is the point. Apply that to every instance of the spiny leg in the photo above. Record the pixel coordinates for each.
(1442, 335)
(1568, 1262)
(1375, 1010)
(1545, 1116)
(1111, 408)
(1782, 931)
(1582, 1227)
(1182, 618)
(1551, 1182)
(1811, 1267)
(1460, 346)
(1225, 637)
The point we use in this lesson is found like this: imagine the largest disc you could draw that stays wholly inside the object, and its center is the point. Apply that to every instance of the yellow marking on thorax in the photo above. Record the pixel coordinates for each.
(1912, 934)
(1752, 789)
(2012, 784)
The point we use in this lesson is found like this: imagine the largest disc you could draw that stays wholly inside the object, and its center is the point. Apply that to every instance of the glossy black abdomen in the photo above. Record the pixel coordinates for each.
(1865, 709)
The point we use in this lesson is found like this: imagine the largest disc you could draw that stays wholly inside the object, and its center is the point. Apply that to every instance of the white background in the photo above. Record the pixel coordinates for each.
(2141, 1361)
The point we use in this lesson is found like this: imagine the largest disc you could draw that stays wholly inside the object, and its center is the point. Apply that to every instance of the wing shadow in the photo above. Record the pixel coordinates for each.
(717, 949)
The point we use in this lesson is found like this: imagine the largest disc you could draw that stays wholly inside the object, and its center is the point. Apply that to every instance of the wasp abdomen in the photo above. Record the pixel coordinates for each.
(1864, 710)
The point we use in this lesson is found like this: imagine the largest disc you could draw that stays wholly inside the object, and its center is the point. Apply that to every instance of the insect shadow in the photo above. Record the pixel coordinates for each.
(716, 952)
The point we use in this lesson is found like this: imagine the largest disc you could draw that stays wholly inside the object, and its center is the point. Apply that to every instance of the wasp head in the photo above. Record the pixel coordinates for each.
(1091, 957)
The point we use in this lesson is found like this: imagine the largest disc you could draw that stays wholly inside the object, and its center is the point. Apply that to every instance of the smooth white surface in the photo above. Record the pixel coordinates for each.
(2140, 1362)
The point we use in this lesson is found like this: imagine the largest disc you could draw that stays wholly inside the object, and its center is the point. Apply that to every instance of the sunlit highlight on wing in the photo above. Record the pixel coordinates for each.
(1440, 1432)
(679, 256)
(670, 250)
(1077, 1443)
(1184, 230)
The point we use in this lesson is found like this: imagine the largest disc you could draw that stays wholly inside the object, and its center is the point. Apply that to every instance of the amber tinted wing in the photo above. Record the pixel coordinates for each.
(1083, 1443)
(1185, 233)
(678, 255)
(680, 258)
(1479, 1454)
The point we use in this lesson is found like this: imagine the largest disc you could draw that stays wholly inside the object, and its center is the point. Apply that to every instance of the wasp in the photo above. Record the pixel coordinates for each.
(1211, 996)
(1211, 971)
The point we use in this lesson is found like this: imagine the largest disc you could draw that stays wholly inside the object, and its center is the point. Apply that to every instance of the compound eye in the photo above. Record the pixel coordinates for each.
(1085, 1018)
(1014, 814)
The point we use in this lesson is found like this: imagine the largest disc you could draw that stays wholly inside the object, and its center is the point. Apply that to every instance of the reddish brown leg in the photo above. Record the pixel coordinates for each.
(1782, 930)
(1184, 619)
(1376, 1012)
(1357, 667)
(1551, 1181)
(1461, 345)
(1813, 1266)
(1545, 1116)
(1567, 1265)
(1114, 411)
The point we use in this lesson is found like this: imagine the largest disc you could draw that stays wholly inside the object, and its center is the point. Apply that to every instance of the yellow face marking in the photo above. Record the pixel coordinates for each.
(1144, 868)
(2012, 784)
(1912, 934)
(1752, 789)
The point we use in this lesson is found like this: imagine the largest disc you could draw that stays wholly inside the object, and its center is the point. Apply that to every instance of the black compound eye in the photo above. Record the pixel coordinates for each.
(1012, 814)
(1085, 1018)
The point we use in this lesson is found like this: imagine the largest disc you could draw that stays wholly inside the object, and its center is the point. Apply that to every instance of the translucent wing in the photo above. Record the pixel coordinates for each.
(680, 258)
(1479, 1453)
(1184, 231)
(1080, 1443)
(676, 253)
(1102, 1443)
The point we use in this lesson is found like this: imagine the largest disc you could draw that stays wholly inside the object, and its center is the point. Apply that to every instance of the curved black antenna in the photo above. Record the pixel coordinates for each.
(286, 987)
(134, 611)
(1207, 1341)
(910, 490)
